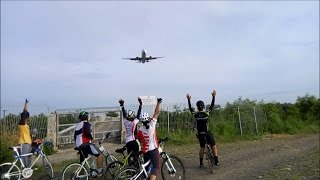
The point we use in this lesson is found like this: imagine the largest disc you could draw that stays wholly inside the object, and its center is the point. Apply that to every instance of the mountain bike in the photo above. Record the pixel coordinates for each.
(171, 167)
(86, 169)
(114, 167)
(209, 155)
(12, 171)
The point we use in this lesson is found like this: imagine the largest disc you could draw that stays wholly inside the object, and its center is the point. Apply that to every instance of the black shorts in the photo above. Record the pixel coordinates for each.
(154, 158)
(87, 149)
(209, 138)
(133, 147)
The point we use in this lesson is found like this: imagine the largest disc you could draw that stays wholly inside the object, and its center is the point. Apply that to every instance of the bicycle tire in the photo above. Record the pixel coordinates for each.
(127, 173)
(48, 167)
(113, 168)
(15, 172)
(180, 172)
(209, 158)
(71, 175)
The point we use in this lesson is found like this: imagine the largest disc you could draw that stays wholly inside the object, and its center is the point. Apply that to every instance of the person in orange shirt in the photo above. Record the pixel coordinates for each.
(25, 135)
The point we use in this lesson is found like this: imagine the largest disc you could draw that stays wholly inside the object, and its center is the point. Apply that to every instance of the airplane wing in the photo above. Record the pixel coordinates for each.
(134, 59)
(150, 58)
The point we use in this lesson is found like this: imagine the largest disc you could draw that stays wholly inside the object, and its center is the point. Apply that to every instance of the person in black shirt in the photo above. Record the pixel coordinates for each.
(201, 120)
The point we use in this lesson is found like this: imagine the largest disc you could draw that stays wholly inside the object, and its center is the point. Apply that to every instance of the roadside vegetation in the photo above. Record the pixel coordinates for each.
(227, 123)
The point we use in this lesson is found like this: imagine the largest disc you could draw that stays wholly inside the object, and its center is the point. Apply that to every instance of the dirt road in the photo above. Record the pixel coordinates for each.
(255, 159)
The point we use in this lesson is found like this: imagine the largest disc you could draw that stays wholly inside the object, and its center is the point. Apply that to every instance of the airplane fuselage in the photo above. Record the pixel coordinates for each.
(143, 56)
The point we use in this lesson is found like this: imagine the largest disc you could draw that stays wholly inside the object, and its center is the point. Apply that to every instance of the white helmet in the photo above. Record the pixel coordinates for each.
(144, 116)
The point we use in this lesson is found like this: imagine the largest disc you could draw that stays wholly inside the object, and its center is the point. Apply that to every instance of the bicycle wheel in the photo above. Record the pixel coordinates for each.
(167, 171)
(127, 173)
(210, 158)
(110, 158)
(74, 171)
(48, 167)
(113, 168)
(9, 171)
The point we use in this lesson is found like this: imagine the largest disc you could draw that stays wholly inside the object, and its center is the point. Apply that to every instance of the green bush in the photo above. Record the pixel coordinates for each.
(7, 140)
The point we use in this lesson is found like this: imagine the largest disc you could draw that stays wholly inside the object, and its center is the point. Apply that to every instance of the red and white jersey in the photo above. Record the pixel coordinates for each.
(130, 127)
(83, 133)
(148, 136)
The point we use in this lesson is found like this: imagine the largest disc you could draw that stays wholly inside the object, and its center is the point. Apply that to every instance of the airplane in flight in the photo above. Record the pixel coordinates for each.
(144, 58)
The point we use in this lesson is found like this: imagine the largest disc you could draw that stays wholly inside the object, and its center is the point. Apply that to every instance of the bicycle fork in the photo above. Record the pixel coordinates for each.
(168, 163)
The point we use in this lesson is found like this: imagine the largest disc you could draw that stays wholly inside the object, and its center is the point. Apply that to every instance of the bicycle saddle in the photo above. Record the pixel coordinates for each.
(121, 150)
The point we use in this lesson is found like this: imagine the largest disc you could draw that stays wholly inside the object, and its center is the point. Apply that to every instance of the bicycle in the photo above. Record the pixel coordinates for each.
(209, 155)
(114, 167)
(12, 171)
(80, 170)
(133, 173)
(169, 167)
(107, 155)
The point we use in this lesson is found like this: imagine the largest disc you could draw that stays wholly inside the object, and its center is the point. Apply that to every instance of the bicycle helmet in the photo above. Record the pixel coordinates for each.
(144, 117)
(200, 105)
(83, 115)
(131, 115)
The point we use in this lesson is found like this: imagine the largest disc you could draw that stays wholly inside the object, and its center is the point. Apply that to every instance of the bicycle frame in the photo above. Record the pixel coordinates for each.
(85, 162)
(18, 157)
(142, 170)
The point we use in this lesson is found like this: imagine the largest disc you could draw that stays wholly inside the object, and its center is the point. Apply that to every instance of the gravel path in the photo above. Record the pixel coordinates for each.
(274, 157)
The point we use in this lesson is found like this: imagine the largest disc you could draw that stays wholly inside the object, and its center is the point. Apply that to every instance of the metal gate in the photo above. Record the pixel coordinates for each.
(102, 120)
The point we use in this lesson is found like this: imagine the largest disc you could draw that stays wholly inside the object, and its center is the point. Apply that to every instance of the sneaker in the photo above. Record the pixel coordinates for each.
(217, 163)
(201, 166)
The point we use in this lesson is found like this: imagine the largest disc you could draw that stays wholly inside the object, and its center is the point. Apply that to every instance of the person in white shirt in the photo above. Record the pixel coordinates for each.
(148, 138)
(130, 123)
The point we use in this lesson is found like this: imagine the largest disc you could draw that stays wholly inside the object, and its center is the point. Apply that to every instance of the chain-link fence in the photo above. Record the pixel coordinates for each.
(173, 118)
(10, 116)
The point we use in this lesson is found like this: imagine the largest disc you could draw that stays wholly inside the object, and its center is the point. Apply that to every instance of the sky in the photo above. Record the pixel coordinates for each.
(68, 54)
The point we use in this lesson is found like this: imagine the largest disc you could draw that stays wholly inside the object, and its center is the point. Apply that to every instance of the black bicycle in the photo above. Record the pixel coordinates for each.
(209, 155)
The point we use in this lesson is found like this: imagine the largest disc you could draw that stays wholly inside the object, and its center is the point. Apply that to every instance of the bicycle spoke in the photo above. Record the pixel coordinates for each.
(9, 171)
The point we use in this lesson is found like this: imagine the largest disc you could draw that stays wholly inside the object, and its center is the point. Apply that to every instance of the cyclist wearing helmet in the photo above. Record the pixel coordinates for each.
(147, 135)
(130, 123)
(83, 139)
(201, 120)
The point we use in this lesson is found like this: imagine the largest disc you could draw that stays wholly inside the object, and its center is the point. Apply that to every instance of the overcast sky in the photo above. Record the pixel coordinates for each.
(68, 54)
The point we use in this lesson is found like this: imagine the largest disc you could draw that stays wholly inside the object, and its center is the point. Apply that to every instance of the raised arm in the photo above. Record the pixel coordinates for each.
(121, 102)
(157, 110)
(189, 103)
(213, 93)
(25, 108)
(140, 106)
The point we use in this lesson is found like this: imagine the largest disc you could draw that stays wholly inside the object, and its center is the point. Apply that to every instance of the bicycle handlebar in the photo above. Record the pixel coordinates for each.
(104, 137)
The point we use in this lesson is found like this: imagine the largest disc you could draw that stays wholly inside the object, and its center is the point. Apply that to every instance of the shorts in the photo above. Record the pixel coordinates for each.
(87, 149)
(154, 158)
(208, 136)
(133, 147)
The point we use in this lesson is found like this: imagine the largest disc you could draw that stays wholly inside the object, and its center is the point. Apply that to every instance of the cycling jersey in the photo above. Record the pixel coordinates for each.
(130, 127)
(148, 136)
(202, 117)
(83, 133)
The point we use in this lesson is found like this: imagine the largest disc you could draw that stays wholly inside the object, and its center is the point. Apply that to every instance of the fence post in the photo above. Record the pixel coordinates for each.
(255, 118)
(240, 121)
(52, 130)
(168, 119)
